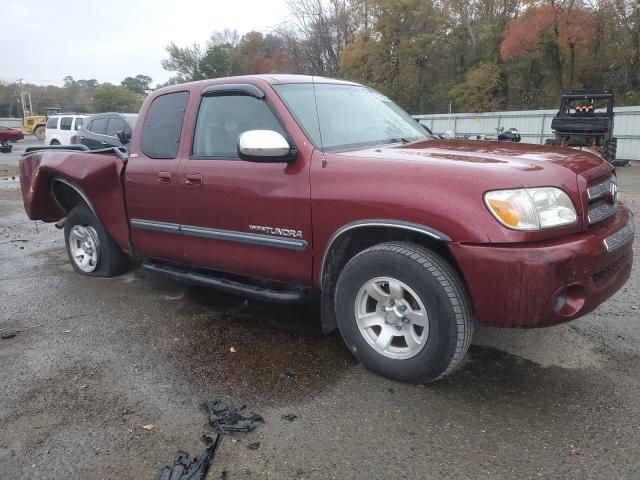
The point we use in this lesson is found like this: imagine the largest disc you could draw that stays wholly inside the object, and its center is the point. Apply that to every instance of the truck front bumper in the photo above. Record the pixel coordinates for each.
(541, 284)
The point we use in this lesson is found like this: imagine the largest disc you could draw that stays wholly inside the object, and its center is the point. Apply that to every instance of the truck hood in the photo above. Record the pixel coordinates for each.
(441, 183)
(526, 162)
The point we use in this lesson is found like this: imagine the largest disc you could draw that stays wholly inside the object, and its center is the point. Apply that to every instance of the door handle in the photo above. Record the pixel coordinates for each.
(164, 177)
(104, 143)
(194, 179)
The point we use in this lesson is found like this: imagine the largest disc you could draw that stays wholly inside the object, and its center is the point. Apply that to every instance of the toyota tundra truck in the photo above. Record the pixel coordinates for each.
(289, 188)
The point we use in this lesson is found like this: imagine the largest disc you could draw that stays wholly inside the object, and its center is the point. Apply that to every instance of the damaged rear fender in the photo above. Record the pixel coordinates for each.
(53, 182)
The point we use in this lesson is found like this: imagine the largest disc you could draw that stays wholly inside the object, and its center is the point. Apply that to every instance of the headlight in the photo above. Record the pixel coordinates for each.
(531, 208)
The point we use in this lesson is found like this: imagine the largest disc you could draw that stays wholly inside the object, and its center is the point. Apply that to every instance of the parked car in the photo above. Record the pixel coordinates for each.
(60, 128)
(101, 130)
(9, 134)
(413, 239)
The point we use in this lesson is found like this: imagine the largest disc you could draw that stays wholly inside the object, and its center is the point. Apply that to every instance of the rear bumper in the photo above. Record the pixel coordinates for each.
(541, 284)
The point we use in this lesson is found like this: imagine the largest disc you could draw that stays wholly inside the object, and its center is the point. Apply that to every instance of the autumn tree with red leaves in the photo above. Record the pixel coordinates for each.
(554, 32)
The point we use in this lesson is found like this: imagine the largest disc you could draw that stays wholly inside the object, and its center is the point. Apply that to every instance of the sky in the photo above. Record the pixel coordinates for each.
(43, 41)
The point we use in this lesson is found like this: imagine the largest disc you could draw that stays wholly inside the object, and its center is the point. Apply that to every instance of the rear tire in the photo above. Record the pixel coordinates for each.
(411, 294)
(91, 249)
(54, 142)
(39, 132)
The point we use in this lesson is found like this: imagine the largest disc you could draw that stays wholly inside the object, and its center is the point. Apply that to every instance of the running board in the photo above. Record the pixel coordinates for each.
(235, 285)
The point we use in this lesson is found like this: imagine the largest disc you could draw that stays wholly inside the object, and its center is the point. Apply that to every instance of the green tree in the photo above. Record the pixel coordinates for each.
(185, 61)
(139, 84)
(216, 62)
(115, 98)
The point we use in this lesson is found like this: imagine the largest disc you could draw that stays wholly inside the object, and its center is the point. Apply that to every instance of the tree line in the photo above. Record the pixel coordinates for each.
(80, 96)
(428, 55)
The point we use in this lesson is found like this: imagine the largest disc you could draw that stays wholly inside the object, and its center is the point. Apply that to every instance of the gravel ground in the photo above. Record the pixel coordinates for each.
(96, 359)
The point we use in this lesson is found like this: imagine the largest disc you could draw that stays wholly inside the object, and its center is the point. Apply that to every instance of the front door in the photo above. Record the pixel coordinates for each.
(238, 216)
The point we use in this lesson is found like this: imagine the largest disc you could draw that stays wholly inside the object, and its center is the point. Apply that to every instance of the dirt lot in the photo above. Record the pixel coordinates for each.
(96, 359)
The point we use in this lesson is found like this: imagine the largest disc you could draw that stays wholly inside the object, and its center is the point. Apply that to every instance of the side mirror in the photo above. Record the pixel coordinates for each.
(123, 137)
(264, 146)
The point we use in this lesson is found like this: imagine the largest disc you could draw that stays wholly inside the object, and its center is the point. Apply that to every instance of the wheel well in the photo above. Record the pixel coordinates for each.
(66, 196)
(352, 242)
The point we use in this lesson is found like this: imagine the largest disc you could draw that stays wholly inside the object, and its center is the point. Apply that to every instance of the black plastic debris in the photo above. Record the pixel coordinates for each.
(8, 335)
(190, 467)
(289, 416)
(229, 420)
(290, 372)
(225, 475)
(253, 446)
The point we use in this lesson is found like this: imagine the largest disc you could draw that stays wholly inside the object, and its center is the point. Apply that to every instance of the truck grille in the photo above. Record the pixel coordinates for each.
(603, 199)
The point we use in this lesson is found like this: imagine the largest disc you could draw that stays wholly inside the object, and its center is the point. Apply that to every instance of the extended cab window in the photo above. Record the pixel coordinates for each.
(163, 125)
(65, 123)
(221, 120)
(52, 122)
(99, 126)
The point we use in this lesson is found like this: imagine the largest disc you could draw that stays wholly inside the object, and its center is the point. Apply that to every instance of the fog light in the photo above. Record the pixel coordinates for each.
(569, 300)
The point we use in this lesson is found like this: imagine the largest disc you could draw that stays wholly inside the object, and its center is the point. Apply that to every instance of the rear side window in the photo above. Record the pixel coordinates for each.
(163, 125)
(99, 126)
(65, 123)
(52, 122)
(115, 124)
(79, 122)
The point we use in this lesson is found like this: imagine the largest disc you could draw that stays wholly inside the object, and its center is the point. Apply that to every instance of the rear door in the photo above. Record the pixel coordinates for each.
(66, 123)
(238, 216)
(51, 129)
(92, 137)
(152, 183)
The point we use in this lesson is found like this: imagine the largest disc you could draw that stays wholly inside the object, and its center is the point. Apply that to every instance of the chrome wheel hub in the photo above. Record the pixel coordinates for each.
(83, 245)
(391, 318)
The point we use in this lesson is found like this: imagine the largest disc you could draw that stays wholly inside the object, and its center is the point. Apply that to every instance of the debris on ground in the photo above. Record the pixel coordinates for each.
(290, 372)
(224, 475)
(253, 446)
(190, 467)
(391, 390)
(149, 426)
(8, 334)
(232, 350)
(289, 416)
(229, 420)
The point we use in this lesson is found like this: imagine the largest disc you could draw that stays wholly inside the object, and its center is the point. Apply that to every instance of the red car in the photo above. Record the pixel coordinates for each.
(287, 188)
(11, 134)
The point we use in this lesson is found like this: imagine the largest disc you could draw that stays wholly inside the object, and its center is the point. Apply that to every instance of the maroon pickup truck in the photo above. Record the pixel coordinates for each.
(286, 188)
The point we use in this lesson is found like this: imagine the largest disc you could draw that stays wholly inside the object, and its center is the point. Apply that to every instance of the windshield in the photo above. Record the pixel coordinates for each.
(348, 116)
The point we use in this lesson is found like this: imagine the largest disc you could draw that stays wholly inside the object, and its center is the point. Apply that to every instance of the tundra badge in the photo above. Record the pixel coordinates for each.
(276, 231)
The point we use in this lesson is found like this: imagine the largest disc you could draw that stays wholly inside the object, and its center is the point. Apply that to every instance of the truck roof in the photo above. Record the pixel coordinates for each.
(272, 79)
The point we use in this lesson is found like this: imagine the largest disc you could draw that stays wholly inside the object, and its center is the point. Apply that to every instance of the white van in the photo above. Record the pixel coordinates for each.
(60, 128)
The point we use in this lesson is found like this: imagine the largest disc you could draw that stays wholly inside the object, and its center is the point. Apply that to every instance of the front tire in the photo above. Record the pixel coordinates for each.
(91, 249)
(404, 312)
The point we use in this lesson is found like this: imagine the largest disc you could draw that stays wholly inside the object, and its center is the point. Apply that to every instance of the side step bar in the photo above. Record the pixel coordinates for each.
(217, 280)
